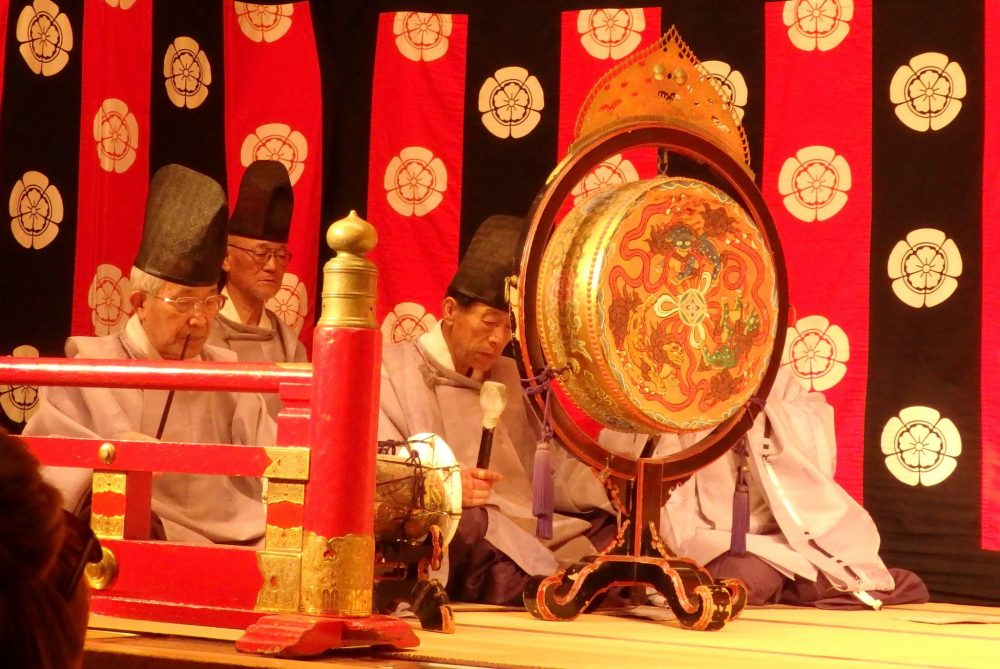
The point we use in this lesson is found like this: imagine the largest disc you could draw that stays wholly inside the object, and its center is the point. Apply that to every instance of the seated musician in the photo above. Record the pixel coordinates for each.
(433, 385)
(175, 298)
(790, 532)
(254, 265)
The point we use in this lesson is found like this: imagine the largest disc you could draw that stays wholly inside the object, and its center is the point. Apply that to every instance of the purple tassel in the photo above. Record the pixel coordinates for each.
(543, 492)
(741, 520)
(543, 485)
(741, 505)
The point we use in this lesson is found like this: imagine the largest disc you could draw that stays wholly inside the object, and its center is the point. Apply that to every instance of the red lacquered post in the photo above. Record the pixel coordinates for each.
(338, 542)
(338, 550)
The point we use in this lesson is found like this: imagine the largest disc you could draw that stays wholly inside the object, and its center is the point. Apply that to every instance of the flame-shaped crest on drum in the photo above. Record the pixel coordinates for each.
(666, 82)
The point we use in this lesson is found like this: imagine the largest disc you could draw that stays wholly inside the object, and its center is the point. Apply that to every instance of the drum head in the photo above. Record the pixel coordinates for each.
(659, 299)
(436, 455)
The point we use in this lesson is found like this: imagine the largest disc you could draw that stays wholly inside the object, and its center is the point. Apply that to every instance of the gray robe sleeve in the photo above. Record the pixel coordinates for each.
(577, 489)
(92, 413)
(391, 419)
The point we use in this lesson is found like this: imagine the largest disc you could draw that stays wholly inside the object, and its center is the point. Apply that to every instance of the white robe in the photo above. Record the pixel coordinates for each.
(802, 522)
(269, 341)
(192, 507)
(424, 393)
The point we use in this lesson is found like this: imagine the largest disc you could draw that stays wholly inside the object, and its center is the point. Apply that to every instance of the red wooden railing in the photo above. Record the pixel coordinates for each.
(217, 586)
(318, 553)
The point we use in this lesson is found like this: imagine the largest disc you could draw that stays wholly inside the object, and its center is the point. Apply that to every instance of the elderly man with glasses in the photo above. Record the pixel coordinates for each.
(174, 297)
(256, 258)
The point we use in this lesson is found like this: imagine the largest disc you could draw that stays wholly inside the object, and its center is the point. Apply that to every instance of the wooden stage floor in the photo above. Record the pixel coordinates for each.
(928, 635)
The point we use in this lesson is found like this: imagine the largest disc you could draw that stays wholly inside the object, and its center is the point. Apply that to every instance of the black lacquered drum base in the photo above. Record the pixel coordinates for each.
(427, 599)
(696, 599)
(639, 558)
(401, 578)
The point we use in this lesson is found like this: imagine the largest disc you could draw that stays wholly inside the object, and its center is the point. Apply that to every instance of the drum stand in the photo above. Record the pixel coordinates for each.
(402, 577)
(639, 558)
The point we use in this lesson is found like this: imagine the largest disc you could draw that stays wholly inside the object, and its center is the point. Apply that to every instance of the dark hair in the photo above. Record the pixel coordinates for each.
(37, 625)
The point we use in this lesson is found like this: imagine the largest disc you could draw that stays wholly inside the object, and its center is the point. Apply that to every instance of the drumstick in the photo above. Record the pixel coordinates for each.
(170, 395)
(492, 399)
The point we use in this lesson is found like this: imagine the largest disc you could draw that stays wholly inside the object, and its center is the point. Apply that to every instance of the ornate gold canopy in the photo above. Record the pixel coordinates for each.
(667, 83)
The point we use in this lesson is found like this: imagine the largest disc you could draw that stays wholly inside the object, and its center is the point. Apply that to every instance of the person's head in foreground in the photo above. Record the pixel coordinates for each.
(43, 550)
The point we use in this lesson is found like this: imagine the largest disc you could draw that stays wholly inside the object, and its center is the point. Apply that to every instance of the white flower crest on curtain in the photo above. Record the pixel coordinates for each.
(36, 210)
(108, 299)
(120, 4)
(291, 303)
(816, 352)
(263, 23)
(116, 133)
(928, 91)
(815, 183)
(406, 322)
(277, 141)
(45, 36)
(414, 181)
(187, 73)
(20, 402)
(920, 446)
(730, 84)
(422, 35)
(510, 101)
(610, 33)
(924, 268)
(817, 24)
(611, 172)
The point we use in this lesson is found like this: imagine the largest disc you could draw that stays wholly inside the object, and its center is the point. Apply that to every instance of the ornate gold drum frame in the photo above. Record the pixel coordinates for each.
(558, 319)
(664, 301)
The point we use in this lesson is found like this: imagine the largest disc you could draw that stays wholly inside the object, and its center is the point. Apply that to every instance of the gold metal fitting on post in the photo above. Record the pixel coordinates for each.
(101, 575)
(106, 452)
(349, 278)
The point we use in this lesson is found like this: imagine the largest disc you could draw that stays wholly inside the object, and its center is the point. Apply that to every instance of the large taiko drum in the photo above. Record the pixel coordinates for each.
(418, 486)
(659, 298)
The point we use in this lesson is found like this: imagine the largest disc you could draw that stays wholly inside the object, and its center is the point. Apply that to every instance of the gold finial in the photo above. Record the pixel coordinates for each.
(352, 235)
(349, 277)
(664, 82)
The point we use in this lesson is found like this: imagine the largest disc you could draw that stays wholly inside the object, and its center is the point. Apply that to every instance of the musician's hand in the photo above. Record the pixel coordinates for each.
(476, 485)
